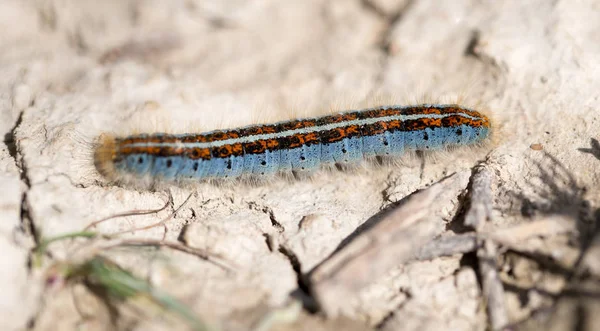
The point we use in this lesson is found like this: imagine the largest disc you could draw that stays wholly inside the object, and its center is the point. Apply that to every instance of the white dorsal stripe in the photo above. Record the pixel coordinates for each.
(287, 133)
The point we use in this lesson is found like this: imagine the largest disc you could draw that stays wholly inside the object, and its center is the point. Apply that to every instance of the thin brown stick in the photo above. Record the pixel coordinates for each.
(130, 213)
(212, 258)
(162, 222)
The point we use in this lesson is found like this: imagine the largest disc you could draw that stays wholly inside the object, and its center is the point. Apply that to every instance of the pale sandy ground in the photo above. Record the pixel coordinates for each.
(71, 69)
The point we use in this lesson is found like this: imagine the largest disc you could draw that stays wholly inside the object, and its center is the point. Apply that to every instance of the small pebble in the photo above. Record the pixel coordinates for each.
(536, 147)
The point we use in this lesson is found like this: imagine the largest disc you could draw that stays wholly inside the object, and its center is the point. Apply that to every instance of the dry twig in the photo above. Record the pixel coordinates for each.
(385, 245)
(479, 212)
(448, 246)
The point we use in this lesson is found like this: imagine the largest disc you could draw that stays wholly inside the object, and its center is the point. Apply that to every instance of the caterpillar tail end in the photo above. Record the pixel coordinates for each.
(105, 154)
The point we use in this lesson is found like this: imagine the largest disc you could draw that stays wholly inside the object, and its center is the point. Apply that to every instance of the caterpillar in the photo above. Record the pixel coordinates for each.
(297, 146)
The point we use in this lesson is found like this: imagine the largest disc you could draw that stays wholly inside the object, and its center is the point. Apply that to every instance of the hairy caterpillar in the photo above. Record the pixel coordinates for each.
(298, 146)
